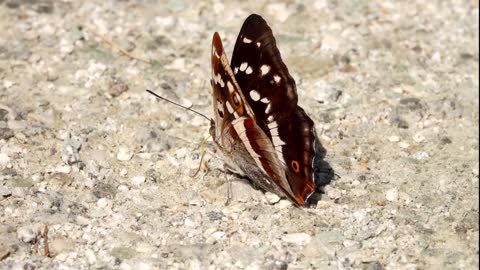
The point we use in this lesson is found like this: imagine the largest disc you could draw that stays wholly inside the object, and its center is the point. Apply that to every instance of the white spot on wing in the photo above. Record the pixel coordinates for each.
(214, 52)
(265, 100)
(274, 132)
(276, 78)
(249, 70)
(229, 107)
(243, 66)
(270, 118)
(272, 125)
(218, 80)
(269, 107)
(276, 141)
(264, 69)
(246, 40)
(230, 87)
(254, 95)
(259, 44)
(235, 70)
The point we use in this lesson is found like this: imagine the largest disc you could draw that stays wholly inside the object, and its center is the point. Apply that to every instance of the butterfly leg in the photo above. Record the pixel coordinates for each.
(203, 150)
(229, 185)
(200, 164)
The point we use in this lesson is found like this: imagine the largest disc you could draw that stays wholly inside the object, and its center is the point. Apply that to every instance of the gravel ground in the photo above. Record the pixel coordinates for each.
(392, 87)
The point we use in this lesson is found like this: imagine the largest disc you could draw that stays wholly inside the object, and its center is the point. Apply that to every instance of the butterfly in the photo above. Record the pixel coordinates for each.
(257, 125)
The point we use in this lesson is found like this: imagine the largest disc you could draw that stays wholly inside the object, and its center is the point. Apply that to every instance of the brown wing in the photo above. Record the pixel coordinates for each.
(236, 131)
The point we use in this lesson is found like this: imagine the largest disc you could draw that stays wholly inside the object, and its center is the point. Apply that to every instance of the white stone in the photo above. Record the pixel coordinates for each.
(63, 169)
(333, 193)
(360, 214)
(297, 238)
(421, 155)
(4, 160)
(177, 64)
(271, 198)
(7, 84)
(189, 223)
(394, 139)
(124, 154)
(282, 204)
(218, 235)
(391, 195)
(125, 266)
(403, 145)
(102, 202)
(26, 234)
(418, 138)
(142, 266)
(138, 180)
(91, 258)
(122, 188)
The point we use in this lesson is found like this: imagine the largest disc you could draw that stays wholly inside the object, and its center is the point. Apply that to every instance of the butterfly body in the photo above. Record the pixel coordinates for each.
(257, 125)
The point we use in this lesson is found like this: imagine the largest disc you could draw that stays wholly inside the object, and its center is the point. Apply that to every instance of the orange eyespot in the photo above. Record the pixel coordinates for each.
(236, 99)
(295, 166)
(237, 102)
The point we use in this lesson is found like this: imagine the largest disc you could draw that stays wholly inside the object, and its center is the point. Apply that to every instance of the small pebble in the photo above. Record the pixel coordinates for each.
(421, 155)
(6, 133)
(218, 235)
(391, 195)
(333, 193)
(27, 234)
(138, 180)
(5, 192)
(271, 198)
(124, 154)
(177, 64)
(7, 84)
(63, 169)
(297, 238)
(418, 138)
(102, 202)
(4, 159)
(60, 245)
(283, 204)
(403, 145)
(91, 258)
(394, 139)
(116, 87)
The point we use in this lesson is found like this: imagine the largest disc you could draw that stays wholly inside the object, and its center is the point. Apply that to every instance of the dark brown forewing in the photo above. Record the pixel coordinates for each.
(291, 131)
(261, 73)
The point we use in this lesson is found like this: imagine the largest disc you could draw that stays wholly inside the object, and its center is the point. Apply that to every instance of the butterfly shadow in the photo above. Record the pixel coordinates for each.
(323, 172)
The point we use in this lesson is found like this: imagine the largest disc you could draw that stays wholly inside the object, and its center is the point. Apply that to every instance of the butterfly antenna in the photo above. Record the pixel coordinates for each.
(181, 106)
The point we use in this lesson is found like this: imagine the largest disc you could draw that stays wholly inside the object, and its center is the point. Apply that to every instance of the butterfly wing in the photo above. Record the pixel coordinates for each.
(228, 101)
(235, 131)
(271, 92)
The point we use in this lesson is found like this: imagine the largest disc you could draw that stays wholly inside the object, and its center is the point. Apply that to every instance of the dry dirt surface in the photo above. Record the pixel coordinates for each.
(97, 174)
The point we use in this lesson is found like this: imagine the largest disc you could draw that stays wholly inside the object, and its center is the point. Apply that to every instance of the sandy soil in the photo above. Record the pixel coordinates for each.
(392, 87)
